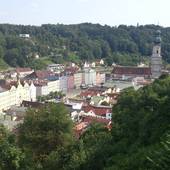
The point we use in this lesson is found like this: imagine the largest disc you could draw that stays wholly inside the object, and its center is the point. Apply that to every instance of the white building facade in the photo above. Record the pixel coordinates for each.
(63, 83)
(14, 95)
(78, 79)
(43, 88)
(89, 76)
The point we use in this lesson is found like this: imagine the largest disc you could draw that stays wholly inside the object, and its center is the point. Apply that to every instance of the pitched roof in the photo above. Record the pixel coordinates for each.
(93, 91)
(71, 70)
(88, 93)
(8, 84)
(132, 70)
(40, 83)
(19, 69)
(92, 119)
(97, 110)
(80, 128)
(98, 88)
(41, 74)
(81, 125)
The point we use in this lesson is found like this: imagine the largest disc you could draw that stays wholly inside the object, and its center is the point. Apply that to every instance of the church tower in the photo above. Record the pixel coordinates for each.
(156, 58)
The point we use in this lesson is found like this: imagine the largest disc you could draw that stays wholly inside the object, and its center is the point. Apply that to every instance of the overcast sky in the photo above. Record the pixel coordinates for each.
(110, 12)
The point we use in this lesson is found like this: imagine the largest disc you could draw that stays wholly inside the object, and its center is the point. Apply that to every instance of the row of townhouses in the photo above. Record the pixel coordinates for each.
(40, 83)
(14, 92)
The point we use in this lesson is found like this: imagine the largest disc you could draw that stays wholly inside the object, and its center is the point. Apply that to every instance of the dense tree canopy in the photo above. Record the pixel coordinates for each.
(123, 44)
(11, 156)
(46, 129)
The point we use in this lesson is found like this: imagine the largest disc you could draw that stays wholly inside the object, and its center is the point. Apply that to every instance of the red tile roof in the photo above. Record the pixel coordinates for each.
(88, 93)
(97, 110)
(93, 91)
(98, 88)
(131, 70)
(71, 70)
(91, 119)
(8, 84)
(19, 70)
(40, 74)
(80, 128)
(40, 83)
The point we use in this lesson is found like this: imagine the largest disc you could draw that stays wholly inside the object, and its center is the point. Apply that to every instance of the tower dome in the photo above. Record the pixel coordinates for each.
(158, 37)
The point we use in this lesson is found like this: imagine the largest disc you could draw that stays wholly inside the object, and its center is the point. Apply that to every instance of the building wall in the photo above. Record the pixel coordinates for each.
(63, 83)
(78, 79)
(70, 82)
(42, 90)
(57, 85)
(98, 78)
(103, 77)
(4, 100)
(53, 86)
(129, 76)
(83, 77)
(16, 95)
(90, 77)
(32, 92)
(156, 61)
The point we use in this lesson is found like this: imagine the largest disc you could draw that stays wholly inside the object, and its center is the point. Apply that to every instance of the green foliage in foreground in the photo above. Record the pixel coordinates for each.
(139, 139)
(11, 156)
(45, 130)
(160, 158)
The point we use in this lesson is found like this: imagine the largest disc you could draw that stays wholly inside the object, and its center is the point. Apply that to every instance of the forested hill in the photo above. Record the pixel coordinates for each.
(126, 45)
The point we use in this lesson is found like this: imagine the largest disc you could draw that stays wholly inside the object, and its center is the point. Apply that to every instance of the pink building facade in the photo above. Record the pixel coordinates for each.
(70, 82)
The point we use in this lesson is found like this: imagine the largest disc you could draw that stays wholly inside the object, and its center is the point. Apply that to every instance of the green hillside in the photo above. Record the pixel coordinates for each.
(126, 45)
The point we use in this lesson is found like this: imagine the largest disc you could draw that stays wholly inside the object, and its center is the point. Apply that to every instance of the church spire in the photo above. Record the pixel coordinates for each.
(156, 58)
(158, 38)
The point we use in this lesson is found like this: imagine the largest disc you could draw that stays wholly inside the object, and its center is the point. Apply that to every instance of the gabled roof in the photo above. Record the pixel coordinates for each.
(40, 83)
(19, 69)
(80, 128)
(88, 93)
(97, 110)
(93, 91)
(41, 74)
(126, 70)
(7, 85)
(92, 119)
(71, 70)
